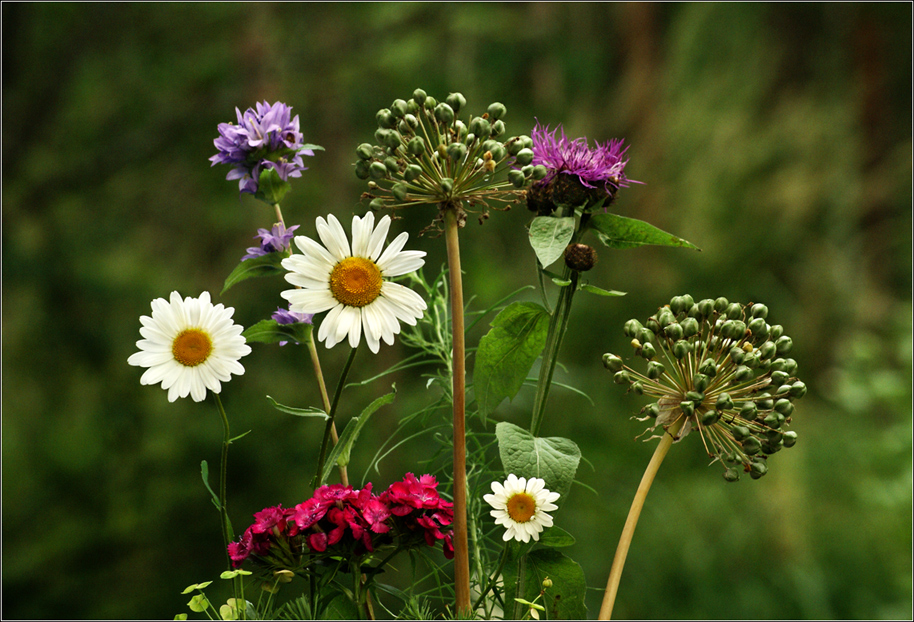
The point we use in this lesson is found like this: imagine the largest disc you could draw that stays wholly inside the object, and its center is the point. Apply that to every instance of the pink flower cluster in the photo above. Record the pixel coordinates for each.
(350, 521)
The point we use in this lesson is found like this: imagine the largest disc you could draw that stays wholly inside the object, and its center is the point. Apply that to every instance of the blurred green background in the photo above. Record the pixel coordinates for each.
(776, 137)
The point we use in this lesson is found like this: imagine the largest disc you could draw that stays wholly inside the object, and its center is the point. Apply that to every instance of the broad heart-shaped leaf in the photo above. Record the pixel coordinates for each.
(507, 352)
(271, 331)
(621, 232)
(549, 236)
(564, 600)
(553, 459)
(266, 265)
(340, 453)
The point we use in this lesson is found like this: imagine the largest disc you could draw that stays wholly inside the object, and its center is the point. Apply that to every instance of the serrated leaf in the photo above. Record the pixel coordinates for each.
(507, 352)
(299, 412)
(340, 453)
(593, 289)
(621, 232)
(549, 236)
(271, 331)
(265, 265)
(552, 459)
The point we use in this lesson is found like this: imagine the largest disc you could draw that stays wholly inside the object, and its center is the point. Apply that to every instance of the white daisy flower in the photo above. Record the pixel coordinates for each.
(521, 505)
(349, 282)
(189, 346)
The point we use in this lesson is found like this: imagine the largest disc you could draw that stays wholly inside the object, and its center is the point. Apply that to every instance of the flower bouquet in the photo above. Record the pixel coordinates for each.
(714, 369)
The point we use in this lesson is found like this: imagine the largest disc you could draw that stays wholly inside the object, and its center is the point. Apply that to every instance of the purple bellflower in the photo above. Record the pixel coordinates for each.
(276, 240)
(285, 316)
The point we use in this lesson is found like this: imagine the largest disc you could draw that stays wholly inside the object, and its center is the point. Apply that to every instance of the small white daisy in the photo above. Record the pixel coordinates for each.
(349, 282)
(189, 346)
(521, 505)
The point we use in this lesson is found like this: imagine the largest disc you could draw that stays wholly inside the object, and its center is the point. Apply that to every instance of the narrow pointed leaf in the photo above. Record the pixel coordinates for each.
(265, 265)
(340, 453)
(299, 412)
(621, 232)
(593, 289)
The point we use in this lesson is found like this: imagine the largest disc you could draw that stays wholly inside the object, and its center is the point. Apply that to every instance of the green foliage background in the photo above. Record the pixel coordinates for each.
(776, 137)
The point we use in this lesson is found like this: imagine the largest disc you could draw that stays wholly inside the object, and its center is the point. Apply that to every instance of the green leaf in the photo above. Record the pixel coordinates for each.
(593, 289)
(204, 472)
(340, 453)
(549, 236)
(299, 412)
(565, 599)
(266, 265)
(311, 147)
(556, 537)
(507, 352)
(620, 232)
(271, 331)
(553, 459)
(270, 187)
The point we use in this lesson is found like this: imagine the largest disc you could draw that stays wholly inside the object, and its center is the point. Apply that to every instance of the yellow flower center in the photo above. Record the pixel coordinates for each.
(521, 507)
(191, 347)
(356, 281)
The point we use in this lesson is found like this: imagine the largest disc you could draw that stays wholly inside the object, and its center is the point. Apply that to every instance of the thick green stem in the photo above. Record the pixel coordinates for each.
(227, 533)
(325, 399)
(615, 573)
(558, 325)
(329, 428)
(461, 544)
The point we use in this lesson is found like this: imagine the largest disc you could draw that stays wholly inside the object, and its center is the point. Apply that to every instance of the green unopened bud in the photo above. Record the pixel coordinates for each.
(385, 119)
(498, 152)
(751, 446)
(391, 164)
(638, 388)
(648, 352)
(665, 317)
(757, 469)
(798, 389)
(696, 396)
(681, 348)
(430, 103)
(771, 420)
(377, 170)
(724, 402)
(710, 417)
(778, 378)
(654, 370)
(498, 128)
(706, 307)
(444, 113)
(416, 146)
(789, 439)
(690, 327)
(731, 475)
(721, 304)
(517, 178)
(404, 127)
(740, 433)
(741, 373)
(419, 96)
(456, 151)
(737, 354)
(496, 111)
(376, 204)
(456, 101)
(681, 304)
(524, 156)
(790, 366)
(447, 184)
(412, 107)
(700, 381)
(632, 328)
(391, 139)
(540, 172)
(412, 172)
(764, 401)
(622, 377)
(514, 145)
(784, 344)
(759, 327)
(775, 331)
(398, 108)
(462, 131)
(673, 331)
(687, 407)
(708, 367)
(784, 406)
(767, 350)
(527, 170)
(651, 410)
(399, 191)
(774, 436)
(749, 411)
(612, 362)
(734, 311)
(361, 169)
(481, 127)
(364, 151)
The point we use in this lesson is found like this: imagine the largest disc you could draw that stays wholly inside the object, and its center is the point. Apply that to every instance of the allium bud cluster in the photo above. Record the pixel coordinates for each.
(721, 368)
(338, 521)
(424, 154)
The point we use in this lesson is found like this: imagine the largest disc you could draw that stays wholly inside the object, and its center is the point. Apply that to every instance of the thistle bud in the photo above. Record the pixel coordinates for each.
(444, 113)
(580, 257)
(612, 362)
(456, 101)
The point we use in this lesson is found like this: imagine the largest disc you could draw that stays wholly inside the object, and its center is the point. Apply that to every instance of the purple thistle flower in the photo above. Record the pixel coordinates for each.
(265, 137)
(285, 316)
(602, 164)
(275, 241)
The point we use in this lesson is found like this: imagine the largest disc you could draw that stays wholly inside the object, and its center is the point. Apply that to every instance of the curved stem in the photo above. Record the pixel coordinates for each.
(325, 399)
(615, 573)
(227, 534)
(461, 545)
(329, 429)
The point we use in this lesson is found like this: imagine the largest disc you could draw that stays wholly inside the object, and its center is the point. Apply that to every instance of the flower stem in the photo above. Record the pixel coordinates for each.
(628, 531)
(558, 325)
(461, 545)
(227, 533)
(328, 430)
(325, 399)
